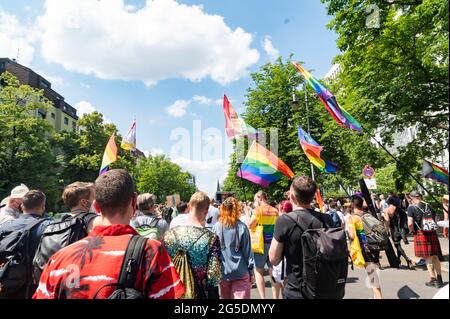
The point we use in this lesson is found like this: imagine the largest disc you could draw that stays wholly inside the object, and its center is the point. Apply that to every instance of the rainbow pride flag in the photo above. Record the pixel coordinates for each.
(110, 155)
(314, 152)
(434, 171)
(262, 167)
(341, 116)
(234, 126)
(319, 199)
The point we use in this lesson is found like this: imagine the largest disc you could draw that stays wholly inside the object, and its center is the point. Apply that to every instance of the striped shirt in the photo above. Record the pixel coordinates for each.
(82, 269)
(266, 216)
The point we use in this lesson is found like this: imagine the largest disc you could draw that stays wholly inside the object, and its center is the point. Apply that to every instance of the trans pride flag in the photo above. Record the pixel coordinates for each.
(234, 126)
(340, 115)
(129, 141)
(436, 172)
(110, 155)
(262, 167)
(314, 152)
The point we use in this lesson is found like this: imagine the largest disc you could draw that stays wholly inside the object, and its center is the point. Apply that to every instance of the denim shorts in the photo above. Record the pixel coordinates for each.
(261, 260)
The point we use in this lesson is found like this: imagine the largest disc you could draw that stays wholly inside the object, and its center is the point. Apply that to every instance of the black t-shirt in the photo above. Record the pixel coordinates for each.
(417, 214)
(287, 232)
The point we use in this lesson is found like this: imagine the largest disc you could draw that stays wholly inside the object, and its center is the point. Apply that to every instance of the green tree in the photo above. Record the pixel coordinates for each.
(395, 75)
(81, 153)
(268, 106)
(26, 154)
(159, 176)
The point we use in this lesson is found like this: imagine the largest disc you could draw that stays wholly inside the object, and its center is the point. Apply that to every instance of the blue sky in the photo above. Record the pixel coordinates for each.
(164, 61)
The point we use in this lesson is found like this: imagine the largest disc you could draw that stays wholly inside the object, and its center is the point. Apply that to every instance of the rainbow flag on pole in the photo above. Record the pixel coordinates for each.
(110, 155)
(262, 167)
(314, 152)
(434, 171)
(340, 115)
(234, 126)
(129, 141)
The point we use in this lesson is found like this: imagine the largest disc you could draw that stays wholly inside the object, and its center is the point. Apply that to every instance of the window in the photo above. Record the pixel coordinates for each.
(74, 125)
(53, 115)
(66, 121)
(41, 114)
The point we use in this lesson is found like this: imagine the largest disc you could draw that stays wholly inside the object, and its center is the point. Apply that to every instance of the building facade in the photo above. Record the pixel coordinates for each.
(62, 116)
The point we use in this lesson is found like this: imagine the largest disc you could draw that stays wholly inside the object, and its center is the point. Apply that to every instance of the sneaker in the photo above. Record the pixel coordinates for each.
(421, 263)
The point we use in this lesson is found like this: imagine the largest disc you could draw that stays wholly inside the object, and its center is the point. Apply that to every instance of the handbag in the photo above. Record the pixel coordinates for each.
(257, 238)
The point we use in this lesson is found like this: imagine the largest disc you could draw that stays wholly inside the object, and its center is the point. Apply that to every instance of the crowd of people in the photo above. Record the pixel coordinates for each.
(201, 248)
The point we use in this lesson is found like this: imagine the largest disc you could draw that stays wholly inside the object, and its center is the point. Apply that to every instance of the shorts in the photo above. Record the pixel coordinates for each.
(277, 270)
(262, 260)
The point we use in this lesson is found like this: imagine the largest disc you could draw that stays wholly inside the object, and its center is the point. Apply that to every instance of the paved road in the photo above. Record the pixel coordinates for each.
(395, 283)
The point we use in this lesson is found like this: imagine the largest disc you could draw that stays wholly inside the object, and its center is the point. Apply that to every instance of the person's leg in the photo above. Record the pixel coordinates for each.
(260, 284)
(225, 289)
(431, 270)
(373, 270)
(277, 287)
(437, 268)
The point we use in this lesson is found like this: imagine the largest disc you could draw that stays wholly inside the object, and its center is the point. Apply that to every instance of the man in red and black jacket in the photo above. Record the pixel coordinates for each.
(92, 265)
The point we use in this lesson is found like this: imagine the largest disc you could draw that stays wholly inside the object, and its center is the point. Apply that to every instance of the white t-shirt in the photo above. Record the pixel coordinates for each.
(180, 220)
(212, 217)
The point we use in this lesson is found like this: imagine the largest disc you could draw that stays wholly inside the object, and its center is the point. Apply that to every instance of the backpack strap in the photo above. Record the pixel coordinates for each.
(154, 222)
(132, 260)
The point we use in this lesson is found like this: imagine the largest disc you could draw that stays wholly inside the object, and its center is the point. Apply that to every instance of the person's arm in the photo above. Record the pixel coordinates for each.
(277, 244)
(411, 224)
(251, 221)
(214, 271)
(275, 252)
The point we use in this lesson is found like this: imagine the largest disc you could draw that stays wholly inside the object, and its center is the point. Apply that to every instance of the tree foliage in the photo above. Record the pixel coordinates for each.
(25, 141)
(395, 75)
(159, 176)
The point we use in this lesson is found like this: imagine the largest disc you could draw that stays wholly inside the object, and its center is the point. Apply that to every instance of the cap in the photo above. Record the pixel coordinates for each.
(19, 191)
(415, 194)
(4, 202)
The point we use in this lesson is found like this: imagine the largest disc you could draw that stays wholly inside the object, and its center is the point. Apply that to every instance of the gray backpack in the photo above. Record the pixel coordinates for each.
(376, 234)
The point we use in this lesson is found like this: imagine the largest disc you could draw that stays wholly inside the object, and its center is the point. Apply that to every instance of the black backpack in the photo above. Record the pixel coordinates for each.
(58, 235)
(16, 263)
(325, 260)
(132, 260)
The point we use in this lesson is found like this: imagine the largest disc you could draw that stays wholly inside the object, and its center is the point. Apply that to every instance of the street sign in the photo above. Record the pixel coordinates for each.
(368, 171)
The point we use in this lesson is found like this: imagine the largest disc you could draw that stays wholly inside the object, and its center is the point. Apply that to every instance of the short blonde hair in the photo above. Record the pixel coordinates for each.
(199, 201)
(75, 192)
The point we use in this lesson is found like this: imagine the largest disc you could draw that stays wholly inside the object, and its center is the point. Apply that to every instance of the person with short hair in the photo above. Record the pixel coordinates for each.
(12, 209)
(201, 245)
(286, 240)
(264, 215)
(236, 252)
(183, 213)
(98, 258)
(426, 243)
(146, 204)
(213, 215)
(33, 208)
(79, 197)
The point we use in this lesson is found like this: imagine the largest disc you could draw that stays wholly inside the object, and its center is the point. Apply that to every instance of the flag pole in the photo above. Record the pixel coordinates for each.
(406, 170)
(307, 122)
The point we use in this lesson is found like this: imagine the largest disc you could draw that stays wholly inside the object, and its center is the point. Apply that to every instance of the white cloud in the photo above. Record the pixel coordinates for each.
(203, 100)
(84, 85)
(271, 51)
(178, 109)
(162, 40)
(206, 172)
(16, 39)
(84, 107)
(28, 8)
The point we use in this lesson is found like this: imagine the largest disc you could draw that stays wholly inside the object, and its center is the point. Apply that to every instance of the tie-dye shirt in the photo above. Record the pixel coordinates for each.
(266, 216)
(82, 269)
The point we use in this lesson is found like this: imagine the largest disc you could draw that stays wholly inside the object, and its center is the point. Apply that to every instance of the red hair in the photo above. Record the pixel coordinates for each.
(286, 206)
